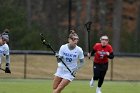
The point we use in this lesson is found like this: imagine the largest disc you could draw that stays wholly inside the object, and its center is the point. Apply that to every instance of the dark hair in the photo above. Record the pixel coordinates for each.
(73, 34)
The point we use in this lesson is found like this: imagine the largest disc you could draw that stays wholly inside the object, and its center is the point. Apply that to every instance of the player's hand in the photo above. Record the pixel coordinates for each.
(74, 71)
(107, 53)
(88, 54)
(59, 58)
(56, 55)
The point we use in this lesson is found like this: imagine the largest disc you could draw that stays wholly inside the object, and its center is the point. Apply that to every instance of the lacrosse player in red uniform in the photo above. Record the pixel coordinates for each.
(102, 51)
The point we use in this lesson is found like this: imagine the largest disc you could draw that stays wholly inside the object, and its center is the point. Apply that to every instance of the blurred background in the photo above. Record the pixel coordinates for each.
(26, 19)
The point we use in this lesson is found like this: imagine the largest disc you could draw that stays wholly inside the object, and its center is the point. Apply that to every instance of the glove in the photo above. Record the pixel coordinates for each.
(59, 58)
(74, 71)
(7, 68)
(56, 55)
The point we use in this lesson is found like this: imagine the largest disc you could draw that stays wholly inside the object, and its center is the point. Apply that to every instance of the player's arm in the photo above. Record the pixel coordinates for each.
(91, 53)
(78, 66)
(81, 62)
(59, 55)
(59, 58)
(7, 56)
(7, 66)
(110, 53)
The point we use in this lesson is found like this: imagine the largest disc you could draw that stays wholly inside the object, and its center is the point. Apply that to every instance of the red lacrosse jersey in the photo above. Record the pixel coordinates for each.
(100, 53)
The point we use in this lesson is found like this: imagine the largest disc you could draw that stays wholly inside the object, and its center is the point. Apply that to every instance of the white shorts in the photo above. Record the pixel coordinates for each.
(64, 73)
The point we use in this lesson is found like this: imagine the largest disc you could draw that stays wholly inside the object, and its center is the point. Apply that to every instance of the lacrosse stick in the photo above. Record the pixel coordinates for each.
(88, 27)
(49, 46)
(2, 69)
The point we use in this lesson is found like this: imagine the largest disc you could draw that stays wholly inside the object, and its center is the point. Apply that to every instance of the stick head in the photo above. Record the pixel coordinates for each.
(88, 25)
(44, 41)
(42, 38)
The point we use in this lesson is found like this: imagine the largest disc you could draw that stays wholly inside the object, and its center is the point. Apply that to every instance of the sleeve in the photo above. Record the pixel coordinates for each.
(92, 52)
(110, 49)
(81, 55)
(95, 46)
(94, 49)
(61, 51)
(111, 56)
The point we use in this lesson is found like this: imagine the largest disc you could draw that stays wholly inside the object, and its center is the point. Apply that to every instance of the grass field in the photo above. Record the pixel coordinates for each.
(45, 86)
(43, 67)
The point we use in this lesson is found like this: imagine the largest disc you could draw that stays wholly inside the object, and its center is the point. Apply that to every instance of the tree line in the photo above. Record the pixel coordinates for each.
(26, 19)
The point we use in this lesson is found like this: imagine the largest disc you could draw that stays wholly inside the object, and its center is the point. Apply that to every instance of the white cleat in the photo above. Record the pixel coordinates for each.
(98, 90)
(91, 83)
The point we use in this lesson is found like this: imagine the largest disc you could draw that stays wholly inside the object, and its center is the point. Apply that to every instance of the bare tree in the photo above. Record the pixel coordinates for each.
(29, 13)
(88, 18)
(102, 16)
(117, 20)
(79, 8)
(137, 32)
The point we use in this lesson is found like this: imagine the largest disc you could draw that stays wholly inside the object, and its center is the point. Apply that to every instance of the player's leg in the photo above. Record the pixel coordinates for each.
(96, 70)
(61, 86)
(56, 82)
(102, 74)
(101, 77)
(91, 83)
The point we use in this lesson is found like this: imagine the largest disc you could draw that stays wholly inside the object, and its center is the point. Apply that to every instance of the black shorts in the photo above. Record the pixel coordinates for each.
(100, 70)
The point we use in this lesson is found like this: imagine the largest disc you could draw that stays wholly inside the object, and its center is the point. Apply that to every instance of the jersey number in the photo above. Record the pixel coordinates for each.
(68, 59)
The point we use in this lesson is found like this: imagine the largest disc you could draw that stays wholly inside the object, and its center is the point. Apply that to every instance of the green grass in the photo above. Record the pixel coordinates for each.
(45, 86)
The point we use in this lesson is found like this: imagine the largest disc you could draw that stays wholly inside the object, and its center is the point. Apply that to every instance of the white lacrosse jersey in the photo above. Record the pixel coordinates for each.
(4, 50)
(70, 57)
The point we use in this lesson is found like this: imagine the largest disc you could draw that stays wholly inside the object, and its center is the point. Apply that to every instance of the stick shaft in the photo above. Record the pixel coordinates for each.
(2, 69)
(49, 46)
(88, 27)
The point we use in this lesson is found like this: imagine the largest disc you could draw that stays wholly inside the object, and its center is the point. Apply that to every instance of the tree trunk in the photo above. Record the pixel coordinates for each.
(79, 7)
(88, 18)
(137, 32)
(117, 20)
(102, 16)
(29, 15)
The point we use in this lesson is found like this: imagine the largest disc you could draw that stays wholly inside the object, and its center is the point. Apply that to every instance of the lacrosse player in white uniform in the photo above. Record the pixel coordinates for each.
(4, 50)
(69, 53)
